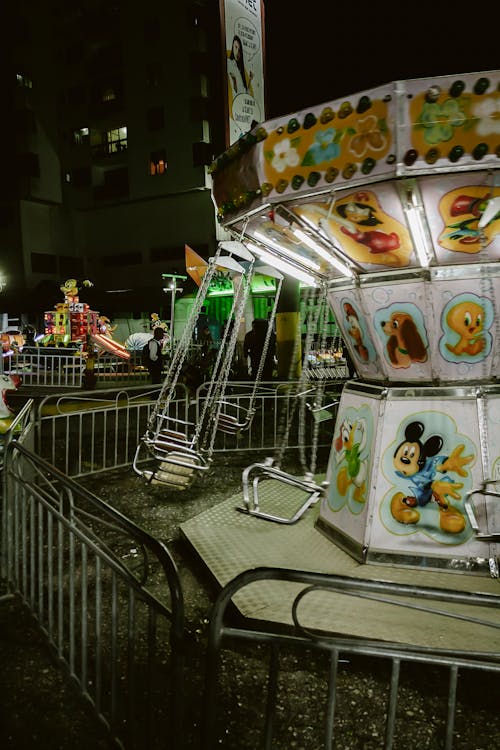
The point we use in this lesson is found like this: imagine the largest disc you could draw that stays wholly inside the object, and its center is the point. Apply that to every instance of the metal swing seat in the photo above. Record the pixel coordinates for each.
(182, 449)
(233, 418)
(303, 492)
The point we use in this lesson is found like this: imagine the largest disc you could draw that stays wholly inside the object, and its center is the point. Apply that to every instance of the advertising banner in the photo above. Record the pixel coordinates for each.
(243, 44)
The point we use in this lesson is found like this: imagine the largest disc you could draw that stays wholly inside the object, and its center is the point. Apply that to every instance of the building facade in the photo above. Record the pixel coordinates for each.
(117, 111)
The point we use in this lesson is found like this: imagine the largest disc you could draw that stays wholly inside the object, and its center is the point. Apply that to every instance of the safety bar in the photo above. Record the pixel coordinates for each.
(251, 502)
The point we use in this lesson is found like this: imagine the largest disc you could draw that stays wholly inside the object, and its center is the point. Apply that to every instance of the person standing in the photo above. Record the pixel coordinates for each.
(253, 347)
(155, 355)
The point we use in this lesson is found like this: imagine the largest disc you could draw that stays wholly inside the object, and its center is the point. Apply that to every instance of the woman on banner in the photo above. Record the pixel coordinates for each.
(239, 79)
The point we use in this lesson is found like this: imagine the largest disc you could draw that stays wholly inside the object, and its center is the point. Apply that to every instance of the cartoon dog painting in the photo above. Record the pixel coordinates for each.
(405, 344)
(466, 320)
(428, 475)
(355, 332)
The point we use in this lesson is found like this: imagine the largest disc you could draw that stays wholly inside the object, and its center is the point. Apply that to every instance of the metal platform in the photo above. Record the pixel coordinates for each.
(230, 542)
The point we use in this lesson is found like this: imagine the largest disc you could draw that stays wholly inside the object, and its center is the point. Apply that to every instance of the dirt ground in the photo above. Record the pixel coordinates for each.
(39, 710)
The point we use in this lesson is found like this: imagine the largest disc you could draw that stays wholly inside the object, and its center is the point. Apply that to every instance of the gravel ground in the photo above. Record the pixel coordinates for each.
(40, 710)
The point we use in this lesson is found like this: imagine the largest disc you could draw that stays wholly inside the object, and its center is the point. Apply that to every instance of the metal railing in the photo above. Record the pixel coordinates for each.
(108, 599)
(263, 657)
(93, 432)
(105, 594)
(97, 431)
(54, 367)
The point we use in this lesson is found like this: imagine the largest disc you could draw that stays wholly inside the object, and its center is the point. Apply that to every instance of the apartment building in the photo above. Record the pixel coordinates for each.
(116, 113)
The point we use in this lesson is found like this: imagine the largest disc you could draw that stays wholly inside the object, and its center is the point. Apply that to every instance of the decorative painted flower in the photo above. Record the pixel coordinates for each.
(439, 120)
(284, 156)
(487, 112)
(324, 148)
(368, 137)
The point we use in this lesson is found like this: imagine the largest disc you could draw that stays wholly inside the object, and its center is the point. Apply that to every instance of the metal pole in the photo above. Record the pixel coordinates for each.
(173, 289)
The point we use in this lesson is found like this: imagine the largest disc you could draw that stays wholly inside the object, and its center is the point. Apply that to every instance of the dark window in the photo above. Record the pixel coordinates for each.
(163, 253)
(199, 108)
(202, 153)
(28, 165)
(155, 118)
(7, 216)
(152, 29)
(81, 177)
(43, 263)
(154, 75)
(74, 53)
(69, 267)
(76, 95)
(115, 185)
(121, 259)
(25, 121)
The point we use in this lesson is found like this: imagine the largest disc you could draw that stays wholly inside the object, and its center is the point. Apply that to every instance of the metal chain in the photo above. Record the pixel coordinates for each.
(169, 386)
(322, 315)
(267, 340)
(220, 377)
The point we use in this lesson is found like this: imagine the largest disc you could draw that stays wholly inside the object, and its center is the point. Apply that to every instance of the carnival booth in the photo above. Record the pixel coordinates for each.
(391, 201)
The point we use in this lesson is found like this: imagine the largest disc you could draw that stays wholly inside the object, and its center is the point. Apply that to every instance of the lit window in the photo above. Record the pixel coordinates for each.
(116, 140)
(80, 136)
(24, 81)
(157, 162)
(108, 95)
(204, 85)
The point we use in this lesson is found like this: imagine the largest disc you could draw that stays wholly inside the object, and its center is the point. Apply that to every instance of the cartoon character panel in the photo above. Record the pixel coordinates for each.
(353, 323)
(464, 313)
(368, 225)
(430, 451)
(397, 315)
(463, 215)
(349, 467)
(425, 467)
(450, 120)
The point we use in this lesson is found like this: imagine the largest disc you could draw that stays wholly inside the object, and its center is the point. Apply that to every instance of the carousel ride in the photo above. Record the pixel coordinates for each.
(391, 200)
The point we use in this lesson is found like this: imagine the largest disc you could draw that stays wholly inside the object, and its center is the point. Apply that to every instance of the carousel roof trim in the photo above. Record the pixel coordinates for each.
(343, 188)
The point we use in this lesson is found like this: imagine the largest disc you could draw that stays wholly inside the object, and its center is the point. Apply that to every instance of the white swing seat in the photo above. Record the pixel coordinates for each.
(177, 471)
(313, 491)
(178, 464)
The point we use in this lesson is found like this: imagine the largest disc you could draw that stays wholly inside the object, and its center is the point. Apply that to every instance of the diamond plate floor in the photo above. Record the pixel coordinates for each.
(230, 542)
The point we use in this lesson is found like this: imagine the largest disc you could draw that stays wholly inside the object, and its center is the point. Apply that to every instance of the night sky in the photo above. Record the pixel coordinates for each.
(320, 50)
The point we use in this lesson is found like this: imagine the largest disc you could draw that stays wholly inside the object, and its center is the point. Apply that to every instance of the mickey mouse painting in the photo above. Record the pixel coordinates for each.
(427, 474)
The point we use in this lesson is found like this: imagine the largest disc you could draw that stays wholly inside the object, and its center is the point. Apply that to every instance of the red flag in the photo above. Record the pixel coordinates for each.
(195, 265)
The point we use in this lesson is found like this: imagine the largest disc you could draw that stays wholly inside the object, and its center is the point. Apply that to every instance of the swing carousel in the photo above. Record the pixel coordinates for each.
(175, 451)
(388, 203)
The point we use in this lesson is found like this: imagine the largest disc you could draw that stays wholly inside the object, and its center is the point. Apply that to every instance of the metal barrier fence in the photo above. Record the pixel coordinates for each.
(94, 431)
(107, 597)
(60, 368)
(97, 431)
(105, 594)
(324, 710)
